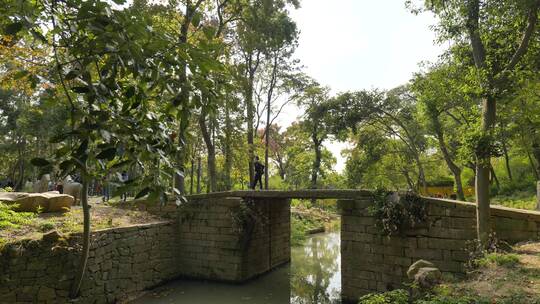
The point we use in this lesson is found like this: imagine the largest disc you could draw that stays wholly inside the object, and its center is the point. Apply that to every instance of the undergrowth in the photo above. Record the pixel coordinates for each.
(501, 278)
(519, 200)
(9, 218)
(499, 259)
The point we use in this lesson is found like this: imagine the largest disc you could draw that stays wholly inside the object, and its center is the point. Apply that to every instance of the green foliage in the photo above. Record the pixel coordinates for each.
(306, 217)
(46, 226)
(444, 299)
(519, 199)
(9, 218)
(478, 251)
(395, 213)
(477, 143)
(398, 296)
(298, 232)
(499, 259)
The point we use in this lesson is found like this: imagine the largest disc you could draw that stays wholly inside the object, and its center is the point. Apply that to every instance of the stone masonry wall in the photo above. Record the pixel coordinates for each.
(270, 245)
(201, 241)
(122, 261)
(375, 263)
(213, 246)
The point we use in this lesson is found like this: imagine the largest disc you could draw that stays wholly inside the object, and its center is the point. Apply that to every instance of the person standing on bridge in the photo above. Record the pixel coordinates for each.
(259, 172)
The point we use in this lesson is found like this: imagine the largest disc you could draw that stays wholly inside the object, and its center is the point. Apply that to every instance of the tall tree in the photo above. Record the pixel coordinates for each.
(314, 100)
(439, 92)
(265, 26)
(490, 28)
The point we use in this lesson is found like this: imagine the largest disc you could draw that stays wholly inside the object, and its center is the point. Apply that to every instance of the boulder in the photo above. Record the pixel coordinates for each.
(32, 202)
(414, 268)
(428, 277)
(59, 202)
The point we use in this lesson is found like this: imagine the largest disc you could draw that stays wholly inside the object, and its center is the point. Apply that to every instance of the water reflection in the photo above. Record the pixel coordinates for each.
(315, 270)
(312, 277)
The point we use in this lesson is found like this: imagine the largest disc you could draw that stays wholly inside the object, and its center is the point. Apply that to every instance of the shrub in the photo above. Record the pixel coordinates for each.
(506, 260)
(398, 296)
(444, 299)
(396, 213)
(46, 226)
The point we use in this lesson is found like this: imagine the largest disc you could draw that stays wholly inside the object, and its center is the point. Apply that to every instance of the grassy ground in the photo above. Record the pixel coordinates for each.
(520, 199)
(24, 225)
(503, 278)
(512, 278)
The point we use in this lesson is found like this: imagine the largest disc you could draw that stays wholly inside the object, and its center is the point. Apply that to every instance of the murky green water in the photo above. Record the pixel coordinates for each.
(313, 276)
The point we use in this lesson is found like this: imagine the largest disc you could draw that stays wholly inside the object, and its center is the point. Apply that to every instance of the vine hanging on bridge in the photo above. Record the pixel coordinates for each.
(396, 212)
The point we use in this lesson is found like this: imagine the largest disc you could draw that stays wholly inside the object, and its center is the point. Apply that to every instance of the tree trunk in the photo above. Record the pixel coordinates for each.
(199, 173)
(538, 195)
(19, 184)
(85, 242)
(488, 120)
(250, 118)
(211, 160)
(533, 166)
(281, 167)
(316, 165)
(494, 178)
(459, 185)
(483, 168)
(489, 105)
(536, 153)
(273, 81)
(421, 173)
(507, 160)
(456, 171)
(228, 150)
(183, 97)
(192, 175)
(266, 146)
(408, 178)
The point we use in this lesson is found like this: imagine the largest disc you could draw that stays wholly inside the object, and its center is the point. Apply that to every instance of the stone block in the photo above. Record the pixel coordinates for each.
(450, 233)
(460, 256)
(452, 244)
(397, 260)
(427, 254)
(387, 250)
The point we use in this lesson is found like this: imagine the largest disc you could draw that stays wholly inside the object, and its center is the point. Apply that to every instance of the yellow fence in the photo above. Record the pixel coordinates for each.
(445, 191)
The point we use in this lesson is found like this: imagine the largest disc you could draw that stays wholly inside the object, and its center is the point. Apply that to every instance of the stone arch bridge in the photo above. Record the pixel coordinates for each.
(235, 236)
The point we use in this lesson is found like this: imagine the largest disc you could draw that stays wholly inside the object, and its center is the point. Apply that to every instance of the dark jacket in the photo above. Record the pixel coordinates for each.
(259, 168)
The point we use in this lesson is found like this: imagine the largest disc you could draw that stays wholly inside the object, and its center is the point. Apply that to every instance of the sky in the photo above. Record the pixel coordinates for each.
(360, 44)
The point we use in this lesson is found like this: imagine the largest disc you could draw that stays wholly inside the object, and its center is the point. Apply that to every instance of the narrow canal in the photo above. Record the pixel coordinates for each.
(313, 276)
